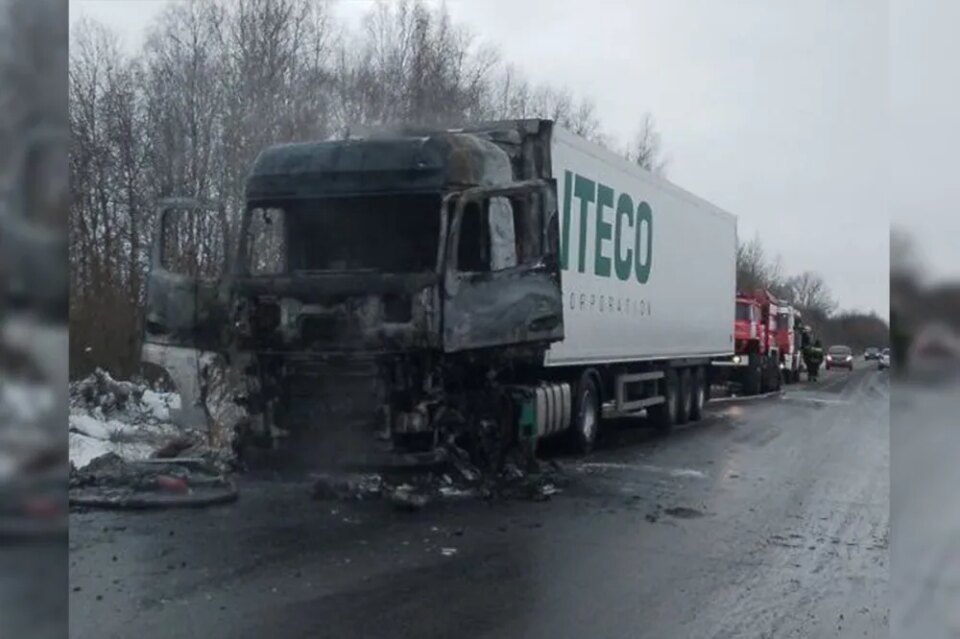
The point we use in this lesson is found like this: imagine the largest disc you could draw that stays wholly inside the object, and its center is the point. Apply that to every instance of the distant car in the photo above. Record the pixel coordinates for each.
(840, 357)
(871, 353)
(883, 362)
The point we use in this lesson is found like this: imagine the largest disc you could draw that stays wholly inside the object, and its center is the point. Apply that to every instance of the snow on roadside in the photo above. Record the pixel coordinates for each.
(89, 426)
(110, 416)
(84, 450)
(160, 404)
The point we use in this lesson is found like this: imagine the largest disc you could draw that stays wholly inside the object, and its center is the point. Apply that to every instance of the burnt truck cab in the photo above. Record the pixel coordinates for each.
(416, 271)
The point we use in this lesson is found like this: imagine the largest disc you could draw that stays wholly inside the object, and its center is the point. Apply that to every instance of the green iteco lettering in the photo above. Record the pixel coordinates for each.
(622, 242)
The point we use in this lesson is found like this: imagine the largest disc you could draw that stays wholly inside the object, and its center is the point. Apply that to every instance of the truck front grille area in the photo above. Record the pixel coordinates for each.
(397, 308)
(323, 330)
(333, 398)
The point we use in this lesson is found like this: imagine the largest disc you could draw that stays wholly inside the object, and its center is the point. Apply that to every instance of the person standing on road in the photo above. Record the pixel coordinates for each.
(813, 356)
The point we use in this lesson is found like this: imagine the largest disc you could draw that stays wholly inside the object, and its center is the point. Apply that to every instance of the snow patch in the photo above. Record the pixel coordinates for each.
(129, 419)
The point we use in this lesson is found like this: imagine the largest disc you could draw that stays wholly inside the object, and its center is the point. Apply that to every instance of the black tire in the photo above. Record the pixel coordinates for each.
(684, 396)
(586, 415)
(753, 378)
(664, 415)
(698, 394)
(771, 375)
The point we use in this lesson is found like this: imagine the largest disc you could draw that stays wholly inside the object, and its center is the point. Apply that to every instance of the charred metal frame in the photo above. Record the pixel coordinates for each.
(483, 333)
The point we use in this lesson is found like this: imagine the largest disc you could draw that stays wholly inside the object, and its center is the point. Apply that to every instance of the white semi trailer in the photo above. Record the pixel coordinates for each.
(502, 280)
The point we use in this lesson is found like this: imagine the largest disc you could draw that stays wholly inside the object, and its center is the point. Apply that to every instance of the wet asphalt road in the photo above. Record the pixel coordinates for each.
(768, 519)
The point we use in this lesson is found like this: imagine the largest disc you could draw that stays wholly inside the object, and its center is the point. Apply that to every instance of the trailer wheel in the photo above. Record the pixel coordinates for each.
(684, 396)
(664, 415)
(586, 414)
(698, 392)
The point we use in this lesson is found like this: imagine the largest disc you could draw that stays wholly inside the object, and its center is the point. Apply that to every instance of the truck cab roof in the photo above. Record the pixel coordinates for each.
(405, 164)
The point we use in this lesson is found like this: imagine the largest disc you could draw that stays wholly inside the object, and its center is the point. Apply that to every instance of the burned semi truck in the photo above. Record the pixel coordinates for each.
(494, 284)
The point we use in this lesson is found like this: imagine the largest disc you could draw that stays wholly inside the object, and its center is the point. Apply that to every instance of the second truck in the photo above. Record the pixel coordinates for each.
(768, 345)
(502, 282)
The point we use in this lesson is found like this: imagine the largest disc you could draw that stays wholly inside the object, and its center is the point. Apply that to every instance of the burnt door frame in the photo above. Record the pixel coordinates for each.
(186, 310)
(520, 304)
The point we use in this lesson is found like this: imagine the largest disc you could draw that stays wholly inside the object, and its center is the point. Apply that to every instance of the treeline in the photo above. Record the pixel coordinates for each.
(809, 292)
(218, 81)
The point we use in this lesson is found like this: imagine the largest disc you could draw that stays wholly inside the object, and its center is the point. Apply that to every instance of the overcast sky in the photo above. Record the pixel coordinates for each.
(814, 122)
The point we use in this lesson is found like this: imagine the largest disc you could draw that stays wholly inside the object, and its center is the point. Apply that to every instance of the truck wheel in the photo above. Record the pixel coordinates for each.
(664, 415)
(753, 378)
(586, 415)
(698, 393)
(684, 396)
(771, 373)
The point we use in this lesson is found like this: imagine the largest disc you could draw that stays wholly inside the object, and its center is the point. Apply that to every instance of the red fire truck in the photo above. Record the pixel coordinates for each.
(788, 336)
(755, 366)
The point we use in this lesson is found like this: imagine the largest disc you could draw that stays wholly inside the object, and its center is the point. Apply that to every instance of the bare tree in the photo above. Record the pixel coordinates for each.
(98, 235)
(752, 265)
(646, 149)
(757, 271)
(412, 65)
(811, 293)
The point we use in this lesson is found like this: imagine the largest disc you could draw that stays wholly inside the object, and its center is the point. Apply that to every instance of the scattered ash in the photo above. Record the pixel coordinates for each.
(458, 479)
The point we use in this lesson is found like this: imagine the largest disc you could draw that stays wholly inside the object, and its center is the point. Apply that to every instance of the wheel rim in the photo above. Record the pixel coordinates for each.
(588, 416)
